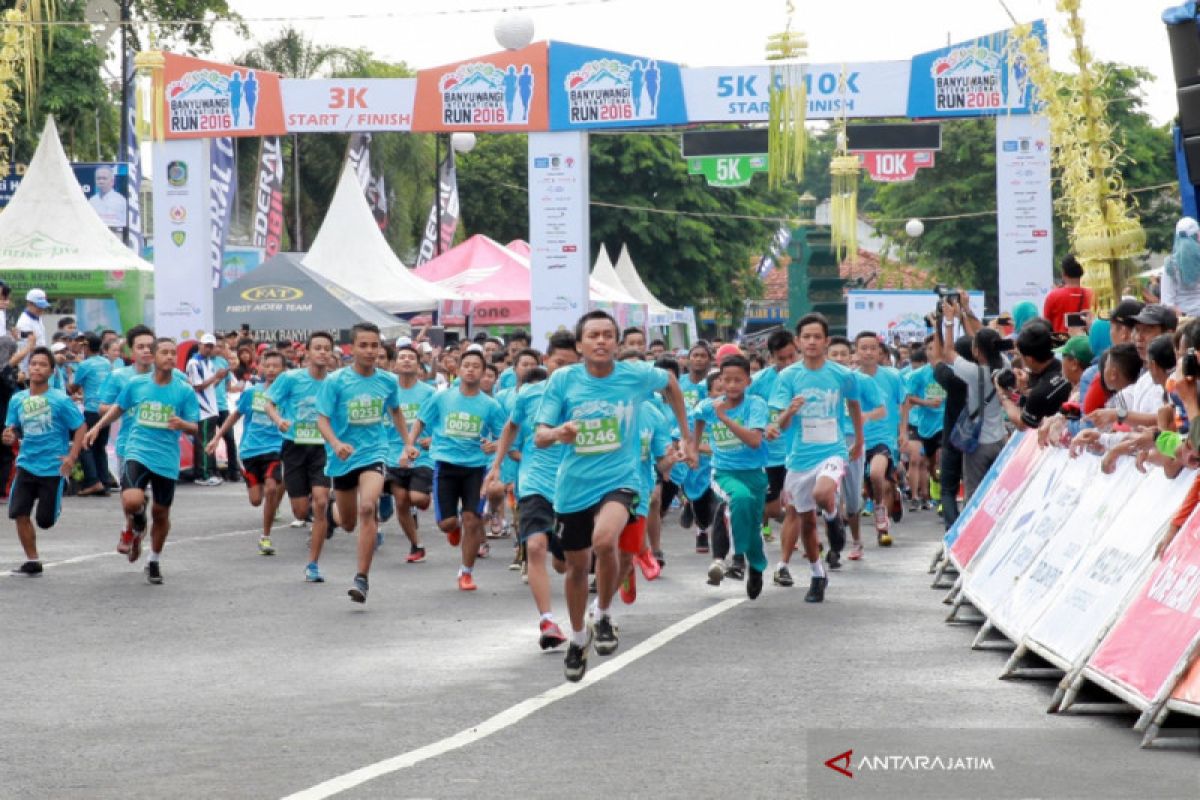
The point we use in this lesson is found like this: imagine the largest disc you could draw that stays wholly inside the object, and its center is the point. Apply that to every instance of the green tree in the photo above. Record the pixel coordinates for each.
(176, 24)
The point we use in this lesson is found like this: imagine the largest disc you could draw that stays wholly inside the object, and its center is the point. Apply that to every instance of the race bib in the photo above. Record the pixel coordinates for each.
(258, 403)
(307, 433)
(152, 414)
(462, 425)
(691, 397)
(819, 430)
(34, 407)
(597, 436)
(645, 447)
(723, 438)
(365, 411)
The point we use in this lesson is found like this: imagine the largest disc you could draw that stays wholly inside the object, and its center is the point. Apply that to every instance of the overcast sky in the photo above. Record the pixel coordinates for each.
(711, 33)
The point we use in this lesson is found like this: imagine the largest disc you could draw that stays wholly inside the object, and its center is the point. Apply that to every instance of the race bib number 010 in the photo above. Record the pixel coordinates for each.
(598, 436)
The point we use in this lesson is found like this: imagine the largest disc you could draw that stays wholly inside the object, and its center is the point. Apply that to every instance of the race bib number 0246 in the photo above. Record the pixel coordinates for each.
(597, 436)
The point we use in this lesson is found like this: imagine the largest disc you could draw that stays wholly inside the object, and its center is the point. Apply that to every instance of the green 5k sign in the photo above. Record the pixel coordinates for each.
(727, 172)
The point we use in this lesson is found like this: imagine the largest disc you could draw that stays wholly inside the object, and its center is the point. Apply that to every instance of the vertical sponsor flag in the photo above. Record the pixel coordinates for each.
(443, 229)
(222, 193)
(377, 199)
(133, 155)
(359, 157)
(268, 196)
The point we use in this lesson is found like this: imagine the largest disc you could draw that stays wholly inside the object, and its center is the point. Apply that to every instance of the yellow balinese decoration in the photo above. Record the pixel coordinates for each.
(786, 137)
(149, 96)
(1099, 215)
(21, 58)
(843, 200)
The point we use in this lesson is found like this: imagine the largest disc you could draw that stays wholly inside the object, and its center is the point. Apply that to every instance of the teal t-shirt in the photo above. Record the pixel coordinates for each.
(508, 379)
(411, 401)
(605, 454)
(359, 409)
(655, 433)
(46, 421)
(219, 363)
(730, 453)
(109, 392)
(459, 424)
(818, 424)
(762, 385)
(90, 376)
(693, 393)
(260, 436)
(150, 442)
(294, 394)
(508, 468)
(869, 399)
(537, 470)
(923, 385)
(892, 394)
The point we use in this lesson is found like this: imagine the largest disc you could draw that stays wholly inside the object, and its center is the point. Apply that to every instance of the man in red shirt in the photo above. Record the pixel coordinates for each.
(1070, 298)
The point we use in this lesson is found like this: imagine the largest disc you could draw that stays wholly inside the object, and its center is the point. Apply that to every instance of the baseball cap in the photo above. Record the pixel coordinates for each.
(1155, 314)
(1125, 311)
(1078, 348)
(404, 341)
(37, 297)
(57, 347)
(208, 338)
(1035, 341)
(727, 350)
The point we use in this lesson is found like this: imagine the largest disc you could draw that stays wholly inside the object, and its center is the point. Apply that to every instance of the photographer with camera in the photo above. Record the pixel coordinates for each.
(1037, 392)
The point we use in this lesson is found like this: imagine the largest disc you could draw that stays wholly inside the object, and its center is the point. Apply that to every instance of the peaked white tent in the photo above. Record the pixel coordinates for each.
(627, 274)
(52, 239)
(350, 251)
(605, 285)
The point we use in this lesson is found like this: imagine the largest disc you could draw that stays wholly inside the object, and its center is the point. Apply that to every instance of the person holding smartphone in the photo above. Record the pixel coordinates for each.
(1070, 298)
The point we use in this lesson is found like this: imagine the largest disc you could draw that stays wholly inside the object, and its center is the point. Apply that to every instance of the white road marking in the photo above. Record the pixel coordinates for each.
(514, 714)
(93, 556)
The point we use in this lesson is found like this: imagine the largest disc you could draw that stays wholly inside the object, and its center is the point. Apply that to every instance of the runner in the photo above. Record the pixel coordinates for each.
(736, 423)
(496, 523)
(410, 486)
(820, 393)
(592, 408)
(871, 404)
(292, 406)
(885, 438)
(464, 424)
(518, 341)
(163, 404)
(51, 432)
(355, 407)
(261, 443)
(925, 397)
(781, 346)
(88, 379)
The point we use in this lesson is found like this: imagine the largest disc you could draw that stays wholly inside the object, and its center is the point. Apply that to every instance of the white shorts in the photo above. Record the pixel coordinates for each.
(798, 487)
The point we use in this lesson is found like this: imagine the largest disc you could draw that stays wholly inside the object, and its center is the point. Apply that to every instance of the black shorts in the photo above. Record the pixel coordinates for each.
(880, 450)
(28, 489)
(775, 480)
(576, 528)
(536, 515)
(930, 446)
(257, 470)
(349, 481)
(303, 468)
(137, 475)
(667, 494)
(455, 486)
(410, 479)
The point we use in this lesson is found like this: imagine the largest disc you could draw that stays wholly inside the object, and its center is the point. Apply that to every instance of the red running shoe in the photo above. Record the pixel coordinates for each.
(454, 537)
(648, 564)
(552, 635)
(125, 542)
(628, 590)
(466, 583)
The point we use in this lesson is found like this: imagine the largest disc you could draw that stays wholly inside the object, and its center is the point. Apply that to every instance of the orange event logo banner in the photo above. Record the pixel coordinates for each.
(204, 99)
(500, 92)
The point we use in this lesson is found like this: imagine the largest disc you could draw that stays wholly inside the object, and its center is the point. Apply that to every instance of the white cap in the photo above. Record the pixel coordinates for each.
(208, 338)
(475, 348)
(57, 347)
(37, 297)
(404, 341)
(1187, 225)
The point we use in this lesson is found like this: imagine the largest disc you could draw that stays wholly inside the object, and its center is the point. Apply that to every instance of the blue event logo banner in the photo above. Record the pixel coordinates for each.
(592, 88)
(980, 77)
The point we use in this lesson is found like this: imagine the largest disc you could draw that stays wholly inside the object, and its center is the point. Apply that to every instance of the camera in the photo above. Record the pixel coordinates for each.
(1191, 364)
(945, 292)
(1006, 379)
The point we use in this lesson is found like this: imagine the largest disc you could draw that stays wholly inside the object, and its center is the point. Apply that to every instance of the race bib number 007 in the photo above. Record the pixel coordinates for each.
(307, 433)
(598, 436)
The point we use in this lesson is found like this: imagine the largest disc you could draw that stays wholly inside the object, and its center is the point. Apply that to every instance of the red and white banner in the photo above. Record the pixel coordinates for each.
(348, 104)
(896, 166)
(267, 225)
(1001, 496)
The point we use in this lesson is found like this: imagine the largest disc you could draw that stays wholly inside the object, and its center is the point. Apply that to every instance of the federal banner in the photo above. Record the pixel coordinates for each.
(267, 224)
(222, 190)
(443, 214)
(558, 232)
(341, 105)
(1024, 209)
(183, 287)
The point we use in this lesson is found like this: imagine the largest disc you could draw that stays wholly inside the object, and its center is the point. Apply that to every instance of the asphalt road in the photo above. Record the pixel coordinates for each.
(235, 679)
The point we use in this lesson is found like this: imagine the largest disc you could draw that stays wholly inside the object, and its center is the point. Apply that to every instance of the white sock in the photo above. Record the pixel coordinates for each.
(154, 556)
(818, 570)
(782, 565)
(464, 570)
(602, 612)
(829, 516)
(547, 617)
(579, 638)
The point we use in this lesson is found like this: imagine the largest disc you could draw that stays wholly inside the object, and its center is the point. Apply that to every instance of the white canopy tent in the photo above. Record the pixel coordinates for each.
(605, 285)
(52, 239)
(660, 313)
(350, 250)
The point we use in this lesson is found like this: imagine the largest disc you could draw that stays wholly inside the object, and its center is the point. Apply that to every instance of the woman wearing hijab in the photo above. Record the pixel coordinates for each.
(1181, 273)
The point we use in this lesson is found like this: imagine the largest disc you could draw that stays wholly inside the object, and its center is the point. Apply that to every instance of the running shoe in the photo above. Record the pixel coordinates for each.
(885, 539)
(358, 592)
(415, 554)
(454, 537)
(312, 573)
(736, 570)
(138, 519)
(297, 523)
(881, 520)
(914, 506)
(687, 517)
(592, 586)
(387, 507)
(485, 550)
(716, 573)
(264, 547)
(868, 508)
(518, 558)
(754, 583)
(834, 559)
(330, 523)
(466, 583)
(816, 590)
(28, 568)
(702, 542)
(783, 577)
(551, 635)
(495, 525)
(524, 572)
(125, 542)
(212, 480)
(856, 552)
(648, 565)
(767, 534)
(628, 589)
(135, 547)
(896, 509)
(835, 532)
(154, 573)
(575, 664)
(606, 637)
(506, 530)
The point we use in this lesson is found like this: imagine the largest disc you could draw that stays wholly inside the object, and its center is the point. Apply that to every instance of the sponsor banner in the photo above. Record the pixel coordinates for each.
(896, 316)
(222, 194)
(896, 166)
(132, 153)
(500, 92)
(971, 79)
(985, 486)
(1005, 490)
(558, 232)
(358, 156)
(1096, 591)
(1039, 585)
(203, 99)
(1143, 651)
(441, 230)
(182, 271)
(592, 88)
(740, 94)
(267, 225)
(106, 187)
(1188, 688)
(348, 104)
(1024, 209)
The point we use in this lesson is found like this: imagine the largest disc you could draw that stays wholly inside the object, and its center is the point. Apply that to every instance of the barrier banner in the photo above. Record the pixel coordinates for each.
(1054, 490)
(1188, 689)
(1000, 497)
(981, 491)
(1096, 591)
(1142, 652)
(1039, 586)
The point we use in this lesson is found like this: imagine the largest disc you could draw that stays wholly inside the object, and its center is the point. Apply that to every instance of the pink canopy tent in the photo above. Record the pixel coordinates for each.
(494, 279)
